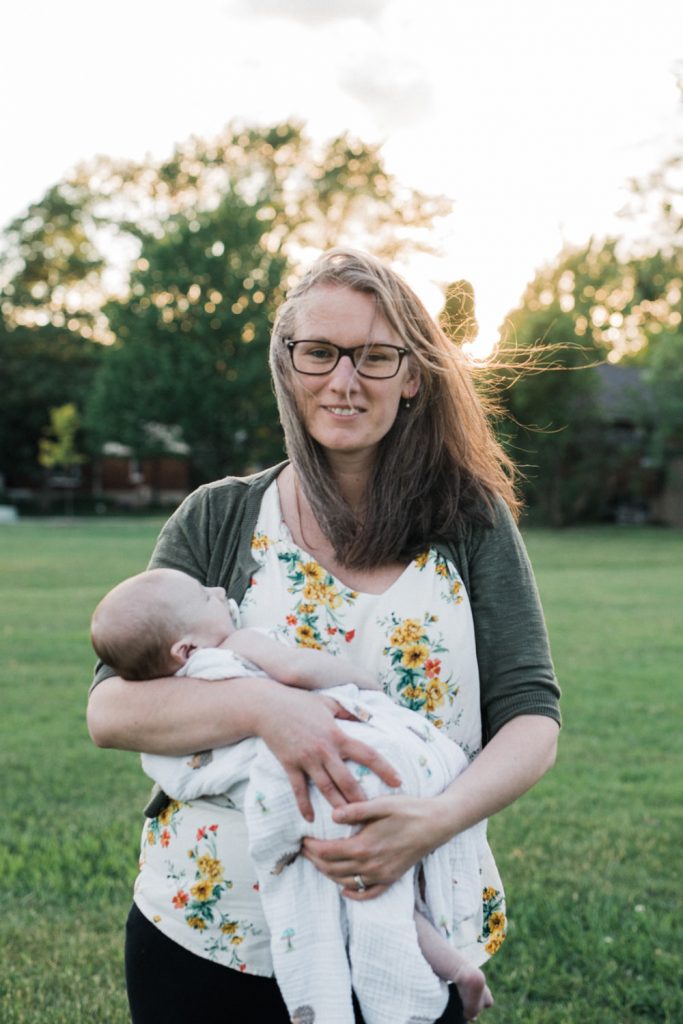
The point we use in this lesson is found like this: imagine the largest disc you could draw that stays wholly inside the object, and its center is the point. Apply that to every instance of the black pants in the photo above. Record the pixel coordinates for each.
(168, 984)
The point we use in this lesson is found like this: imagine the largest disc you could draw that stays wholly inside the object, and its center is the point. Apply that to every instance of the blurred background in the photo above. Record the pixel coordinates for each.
(168, 172)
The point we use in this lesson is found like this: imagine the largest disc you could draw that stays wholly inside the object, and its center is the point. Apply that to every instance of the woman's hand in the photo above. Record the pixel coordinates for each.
(300, 729)
(396, 833)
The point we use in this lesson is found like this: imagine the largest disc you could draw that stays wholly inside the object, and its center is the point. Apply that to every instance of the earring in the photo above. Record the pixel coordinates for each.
(406, 403)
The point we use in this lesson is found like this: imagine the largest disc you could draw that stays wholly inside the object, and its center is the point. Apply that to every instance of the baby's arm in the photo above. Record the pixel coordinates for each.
(303, 667)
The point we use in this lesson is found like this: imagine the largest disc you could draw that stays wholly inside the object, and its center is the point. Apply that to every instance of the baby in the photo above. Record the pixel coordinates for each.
(164, 622)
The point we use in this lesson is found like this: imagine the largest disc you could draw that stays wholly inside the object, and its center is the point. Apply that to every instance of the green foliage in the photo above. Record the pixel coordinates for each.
(589, 858)
(176, 265)
(50, 262)
(593, 305)
(664, 374)
(192, 343)
(58, 449)
(42, 368)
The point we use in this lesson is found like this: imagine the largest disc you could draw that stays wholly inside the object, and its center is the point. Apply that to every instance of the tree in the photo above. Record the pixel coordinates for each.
(55, 259)
(51, 267)
(175, 265)
(42, 368)
(192, 343)
(588, 307)
(57, 449)
(664, 374)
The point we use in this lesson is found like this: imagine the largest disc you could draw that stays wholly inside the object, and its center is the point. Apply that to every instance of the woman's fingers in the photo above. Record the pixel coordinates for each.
(354, 750)
(334, 781)
(299, 784)
(365, 810)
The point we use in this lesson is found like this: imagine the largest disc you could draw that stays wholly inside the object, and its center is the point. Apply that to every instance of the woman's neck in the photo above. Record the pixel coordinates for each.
(352, 475)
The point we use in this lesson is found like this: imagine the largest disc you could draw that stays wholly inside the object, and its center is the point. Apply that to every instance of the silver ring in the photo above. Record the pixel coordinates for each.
(359, 883)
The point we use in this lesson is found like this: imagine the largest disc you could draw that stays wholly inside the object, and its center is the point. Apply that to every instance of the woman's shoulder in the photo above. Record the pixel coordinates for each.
(228, 494)
(488, 536)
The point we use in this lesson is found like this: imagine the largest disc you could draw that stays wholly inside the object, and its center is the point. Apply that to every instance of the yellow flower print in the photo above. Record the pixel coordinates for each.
(456, 588)
(236, 940)
(196, 922)
(494, 943)
(332, 598)
(202, 890)
(313, 571)
(496, 921)
(315, 592)
(436, 692)
(210, 868)
(304, 634)
(260, 542)
(489, 893)
(168, 812)
(409, 632)
(422, 559)
(441, 569)
(413, 693)
(415, 655)
(306, 609)
(151, 838)
(229, 928)
(312, 644)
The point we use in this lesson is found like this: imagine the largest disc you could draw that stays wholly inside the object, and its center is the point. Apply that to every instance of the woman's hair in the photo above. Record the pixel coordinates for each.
(440, 465)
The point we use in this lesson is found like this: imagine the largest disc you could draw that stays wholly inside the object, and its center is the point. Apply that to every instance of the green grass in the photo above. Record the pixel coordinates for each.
(590, 858)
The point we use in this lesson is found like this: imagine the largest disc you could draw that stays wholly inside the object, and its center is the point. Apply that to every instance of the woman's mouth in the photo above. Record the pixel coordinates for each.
(342, 410)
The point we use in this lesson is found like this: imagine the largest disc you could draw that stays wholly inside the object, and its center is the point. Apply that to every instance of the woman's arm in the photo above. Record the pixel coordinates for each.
(179, 715)
(399, 831)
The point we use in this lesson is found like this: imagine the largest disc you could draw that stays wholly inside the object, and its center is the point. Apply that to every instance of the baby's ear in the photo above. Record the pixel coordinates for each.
(182, 649)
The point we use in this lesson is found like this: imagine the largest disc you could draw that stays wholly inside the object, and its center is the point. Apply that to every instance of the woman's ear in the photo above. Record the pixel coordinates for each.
(182, 649)
(411, 386)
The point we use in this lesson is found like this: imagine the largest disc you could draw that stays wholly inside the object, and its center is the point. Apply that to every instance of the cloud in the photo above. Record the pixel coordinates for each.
(396, 92)
(311, 12)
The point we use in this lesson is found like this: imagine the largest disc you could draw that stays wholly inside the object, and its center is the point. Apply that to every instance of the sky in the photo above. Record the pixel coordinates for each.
(531, 116)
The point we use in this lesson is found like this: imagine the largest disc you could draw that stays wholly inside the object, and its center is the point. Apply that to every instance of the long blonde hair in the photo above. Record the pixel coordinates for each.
(440, 465)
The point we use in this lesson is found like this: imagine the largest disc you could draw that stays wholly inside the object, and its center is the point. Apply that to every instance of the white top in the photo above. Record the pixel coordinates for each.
(196, 882)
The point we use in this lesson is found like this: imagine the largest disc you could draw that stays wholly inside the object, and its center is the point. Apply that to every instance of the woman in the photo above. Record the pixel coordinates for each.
(388, 535)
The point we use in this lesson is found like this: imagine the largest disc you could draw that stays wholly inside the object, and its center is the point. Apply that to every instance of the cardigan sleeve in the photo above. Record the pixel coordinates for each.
(516, 672)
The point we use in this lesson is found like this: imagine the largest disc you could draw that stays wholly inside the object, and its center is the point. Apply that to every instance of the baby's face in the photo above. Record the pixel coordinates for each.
(204, 609)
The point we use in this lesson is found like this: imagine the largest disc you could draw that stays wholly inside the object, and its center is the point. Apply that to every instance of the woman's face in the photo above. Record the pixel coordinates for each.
(348, 414)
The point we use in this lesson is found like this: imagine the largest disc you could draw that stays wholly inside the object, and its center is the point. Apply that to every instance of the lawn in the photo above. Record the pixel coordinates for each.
(589, 858)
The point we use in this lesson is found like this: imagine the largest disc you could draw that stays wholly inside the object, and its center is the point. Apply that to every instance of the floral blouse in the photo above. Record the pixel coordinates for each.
(196, 882)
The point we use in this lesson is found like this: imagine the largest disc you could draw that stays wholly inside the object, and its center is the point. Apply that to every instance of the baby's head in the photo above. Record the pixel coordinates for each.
(149, 625)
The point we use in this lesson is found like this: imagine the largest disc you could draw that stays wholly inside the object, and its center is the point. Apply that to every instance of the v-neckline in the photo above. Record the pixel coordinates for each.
(286, 536)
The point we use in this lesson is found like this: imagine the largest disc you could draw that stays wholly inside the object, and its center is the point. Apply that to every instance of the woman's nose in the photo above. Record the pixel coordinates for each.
(344, 373)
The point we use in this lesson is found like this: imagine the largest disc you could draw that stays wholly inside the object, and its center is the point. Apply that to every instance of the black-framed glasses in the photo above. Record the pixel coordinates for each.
(316, 358)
